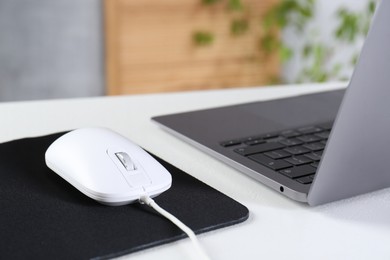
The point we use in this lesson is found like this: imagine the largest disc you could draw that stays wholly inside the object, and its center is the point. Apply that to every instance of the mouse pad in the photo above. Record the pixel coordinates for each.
(44, 217)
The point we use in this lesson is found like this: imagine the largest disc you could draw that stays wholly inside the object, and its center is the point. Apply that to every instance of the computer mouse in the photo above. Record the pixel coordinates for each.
(106, 166)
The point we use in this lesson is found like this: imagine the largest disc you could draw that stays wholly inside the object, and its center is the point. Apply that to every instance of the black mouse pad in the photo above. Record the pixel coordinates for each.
(44, 217)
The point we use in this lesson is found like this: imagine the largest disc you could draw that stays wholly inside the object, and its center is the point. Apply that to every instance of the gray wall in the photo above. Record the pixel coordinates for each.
(50, 49)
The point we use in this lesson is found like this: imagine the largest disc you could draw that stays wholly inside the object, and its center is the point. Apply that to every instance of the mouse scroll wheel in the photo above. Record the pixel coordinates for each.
(126, 161)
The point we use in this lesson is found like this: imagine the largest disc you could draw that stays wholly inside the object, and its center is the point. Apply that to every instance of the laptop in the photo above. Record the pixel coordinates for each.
(314, 148)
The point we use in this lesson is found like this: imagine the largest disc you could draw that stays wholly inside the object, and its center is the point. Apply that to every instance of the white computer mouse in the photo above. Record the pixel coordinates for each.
(106, 166)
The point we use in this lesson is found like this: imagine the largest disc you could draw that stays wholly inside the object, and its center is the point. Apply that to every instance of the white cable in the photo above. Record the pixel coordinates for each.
(151, 203)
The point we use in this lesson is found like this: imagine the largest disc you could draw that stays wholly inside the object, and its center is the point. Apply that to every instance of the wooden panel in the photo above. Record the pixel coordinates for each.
(149, 47)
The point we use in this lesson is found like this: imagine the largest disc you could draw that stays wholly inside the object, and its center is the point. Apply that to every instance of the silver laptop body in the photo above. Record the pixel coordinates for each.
(357, 151)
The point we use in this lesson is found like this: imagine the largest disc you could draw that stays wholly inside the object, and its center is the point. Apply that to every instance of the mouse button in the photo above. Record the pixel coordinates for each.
(126, 161)
(131, 169)
(123, 161)
(138, 180)
(155, 170)
(161, 179)
(103, 178)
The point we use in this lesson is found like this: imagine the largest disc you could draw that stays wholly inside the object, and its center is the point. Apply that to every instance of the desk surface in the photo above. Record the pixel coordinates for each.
(278, 228)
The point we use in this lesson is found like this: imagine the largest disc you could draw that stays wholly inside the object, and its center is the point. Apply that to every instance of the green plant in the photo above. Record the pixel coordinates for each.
(354, 24)
(351, 27)
(238, 26)
(315, 54)
(202, 38)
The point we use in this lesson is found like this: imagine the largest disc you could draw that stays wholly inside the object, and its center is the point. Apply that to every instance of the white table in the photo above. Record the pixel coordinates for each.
(278, 228)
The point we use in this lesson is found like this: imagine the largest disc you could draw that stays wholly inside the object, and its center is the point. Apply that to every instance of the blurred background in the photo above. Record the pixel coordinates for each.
(79, 48)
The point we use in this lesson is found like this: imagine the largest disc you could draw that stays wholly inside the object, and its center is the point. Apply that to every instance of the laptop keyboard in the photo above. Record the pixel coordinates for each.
(294, 153)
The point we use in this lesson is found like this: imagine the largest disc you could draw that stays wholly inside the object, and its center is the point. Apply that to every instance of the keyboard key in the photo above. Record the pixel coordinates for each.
(310, 130)
(323, 135)
(250, 138)
(290, 133)
(254, 142)
(296, 150)
(318, 153)
(314, 146)
(270, 163)
(230, 143)
(299, 171)
(313, 156)
(269, 136)
(315, 164)
(306, 179)
(326, 126)
(260, 148)
(278, 154)
(308, 138)
(298, 160)
(291, 142)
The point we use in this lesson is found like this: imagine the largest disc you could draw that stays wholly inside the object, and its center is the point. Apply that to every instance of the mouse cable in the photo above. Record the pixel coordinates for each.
(151, 203)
